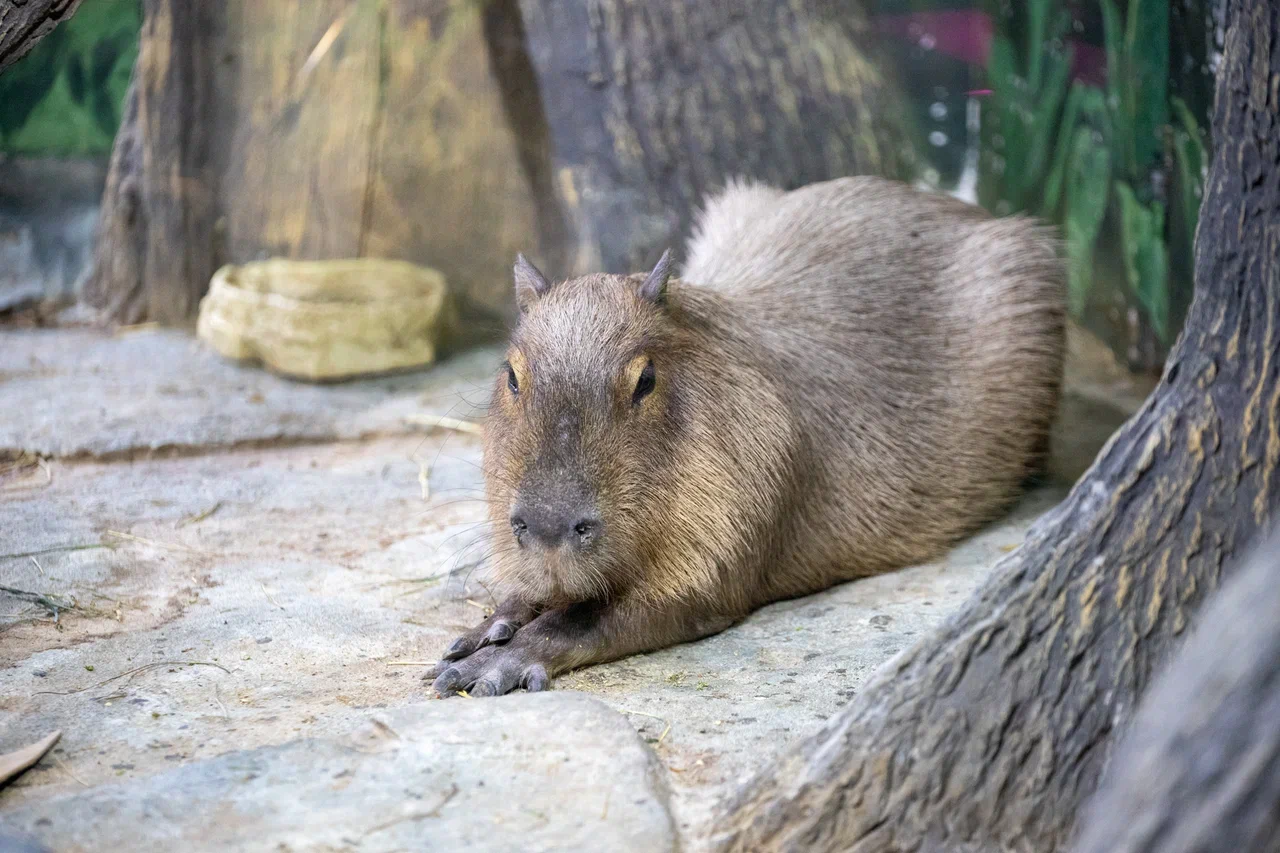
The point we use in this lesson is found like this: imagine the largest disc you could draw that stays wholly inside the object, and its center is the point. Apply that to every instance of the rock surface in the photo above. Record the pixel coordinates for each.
(255, 596)
(437, 776)
(77, 392)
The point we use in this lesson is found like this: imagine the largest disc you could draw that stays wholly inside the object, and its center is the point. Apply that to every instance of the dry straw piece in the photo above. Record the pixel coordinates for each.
(327, 320)
(445, 422)
(16, 762)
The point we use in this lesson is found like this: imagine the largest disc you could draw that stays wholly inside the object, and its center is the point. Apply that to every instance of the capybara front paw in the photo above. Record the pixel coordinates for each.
(490, 671)
(511, 616)
(493, 631)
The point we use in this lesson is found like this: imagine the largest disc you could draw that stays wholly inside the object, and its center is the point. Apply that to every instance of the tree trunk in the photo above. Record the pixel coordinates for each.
(650, 108)
(990, 733)
(115, 285)
(155, 249)
(22, 24)
(455, 134)
(308, 130)
(1200, 768)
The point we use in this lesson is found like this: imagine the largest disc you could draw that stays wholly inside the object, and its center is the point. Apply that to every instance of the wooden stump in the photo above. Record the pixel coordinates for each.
(155, 250)
(652, 105)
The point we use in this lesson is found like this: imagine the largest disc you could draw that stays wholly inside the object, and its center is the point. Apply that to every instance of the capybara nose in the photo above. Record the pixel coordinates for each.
(552, 527)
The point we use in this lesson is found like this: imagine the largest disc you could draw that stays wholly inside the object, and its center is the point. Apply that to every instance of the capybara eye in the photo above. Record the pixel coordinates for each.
(512, 382)
(644, 384)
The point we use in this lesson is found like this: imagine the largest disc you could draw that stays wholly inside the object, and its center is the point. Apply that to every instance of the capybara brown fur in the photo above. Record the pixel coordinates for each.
(845, 379)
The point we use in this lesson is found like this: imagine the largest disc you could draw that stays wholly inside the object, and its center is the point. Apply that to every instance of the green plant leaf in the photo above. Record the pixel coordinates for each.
(1117, 72)
(1086, 108)
(1190, 158)
(1190, 182)
(1005, 129)
(1087, 183)
(1191, 127)
(64, 98)
(1145, 260)
(1058, 167)
(1037, 22)
(1023, 117)
(1045, 125)
(1146, 83)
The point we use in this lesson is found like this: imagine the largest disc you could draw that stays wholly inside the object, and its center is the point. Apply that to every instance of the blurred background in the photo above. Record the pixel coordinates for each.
(454, 133)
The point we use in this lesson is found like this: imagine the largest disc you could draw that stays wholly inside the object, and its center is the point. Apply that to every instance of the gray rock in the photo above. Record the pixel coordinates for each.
(48, 217)
(78, 392)
(555, 771)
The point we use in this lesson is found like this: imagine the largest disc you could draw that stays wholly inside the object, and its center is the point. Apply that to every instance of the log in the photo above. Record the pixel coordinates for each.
(22, 24)
(1200, 767)
(991, 732)
(450, 189)
(455, 134)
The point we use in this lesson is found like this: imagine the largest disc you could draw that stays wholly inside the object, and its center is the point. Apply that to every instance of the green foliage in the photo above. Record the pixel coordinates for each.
(1110, 146)
(1058, 168)
(1086, 107)
(1137, 88)
(1088, 181)
(1142, 238)
(1032, 89)
(1190, 159)
(64, 98)
(1138, 101)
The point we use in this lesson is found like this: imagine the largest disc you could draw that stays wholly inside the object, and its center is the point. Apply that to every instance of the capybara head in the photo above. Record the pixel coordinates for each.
(578, 431)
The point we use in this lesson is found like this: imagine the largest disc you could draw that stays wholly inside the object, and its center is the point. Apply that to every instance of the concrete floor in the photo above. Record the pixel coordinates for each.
(256, 575)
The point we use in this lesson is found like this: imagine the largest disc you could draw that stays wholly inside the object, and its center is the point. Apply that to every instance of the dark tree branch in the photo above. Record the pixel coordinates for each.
(25, 22)
(990, 733)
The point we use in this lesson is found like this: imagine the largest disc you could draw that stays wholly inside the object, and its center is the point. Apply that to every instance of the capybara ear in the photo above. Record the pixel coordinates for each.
(530, 282)
(654, 287)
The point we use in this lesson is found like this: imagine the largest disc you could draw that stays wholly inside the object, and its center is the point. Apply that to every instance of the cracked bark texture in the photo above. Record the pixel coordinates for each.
(25, 22)
(1199, 770)
(992, 732)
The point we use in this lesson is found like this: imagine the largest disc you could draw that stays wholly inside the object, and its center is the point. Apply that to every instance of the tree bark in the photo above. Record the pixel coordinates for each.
(114, 285)
(990, 733)
(155, 250)
(22, 24)
(651, 106)
(455, 134)
(1200, 768)
(330, 129)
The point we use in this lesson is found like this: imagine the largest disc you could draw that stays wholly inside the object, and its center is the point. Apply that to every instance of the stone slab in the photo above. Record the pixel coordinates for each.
(454, 776)
(74, 392)
(718, 709)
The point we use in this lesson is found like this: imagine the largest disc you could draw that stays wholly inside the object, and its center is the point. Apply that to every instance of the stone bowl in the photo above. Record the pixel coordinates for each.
(324, 321)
